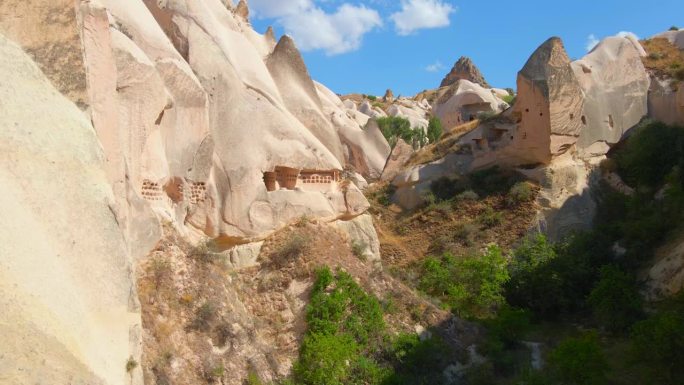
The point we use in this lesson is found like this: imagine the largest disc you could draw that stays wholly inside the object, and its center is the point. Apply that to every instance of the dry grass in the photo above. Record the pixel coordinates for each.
(446, 144)
(664, 59)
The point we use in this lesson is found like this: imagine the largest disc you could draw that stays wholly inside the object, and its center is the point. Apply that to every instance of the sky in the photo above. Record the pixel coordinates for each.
(367, 46)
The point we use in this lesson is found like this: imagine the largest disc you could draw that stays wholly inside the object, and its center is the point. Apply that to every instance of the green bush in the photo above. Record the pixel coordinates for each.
(372, 98)
(294, 247)
(674, 28)
(468, 195)
(521, 192)
(643, 161)
(417, 361)
(446, 188)
(659, 342)
(359, 249)
(615, 300)
(510, 99)
(578, 361)
(395, 127)
(434, 130)
(471, 286)
(493, 180)
(490, 217)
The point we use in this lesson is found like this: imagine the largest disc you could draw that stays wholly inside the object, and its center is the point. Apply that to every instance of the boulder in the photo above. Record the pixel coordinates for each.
(464, 69)
(362, 232)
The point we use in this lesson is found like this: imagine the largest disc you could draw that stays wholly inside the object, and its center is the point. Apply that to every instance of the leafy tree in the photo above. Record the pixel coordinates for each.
(470, 286)
(659, 342)
(395, 127)
(615, 300)
(578, 361)
(435, 129)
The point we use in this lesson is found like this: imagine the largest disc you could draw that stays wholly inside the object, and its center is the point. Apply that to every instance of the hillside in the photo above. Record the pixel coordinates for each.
(183, 204)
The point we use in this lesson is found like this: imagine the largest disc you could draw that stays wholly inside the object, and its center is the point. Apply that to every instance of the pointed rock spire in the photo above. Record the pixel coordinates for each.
(464, 69)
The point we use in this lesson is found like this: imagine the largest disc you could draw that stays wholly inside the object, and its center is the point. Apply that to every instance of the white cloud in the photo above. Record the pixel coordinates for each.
(312, 28)
(435, 67)
(592, 42)
(421, 14)
(627, 34)
(278, 8)
(335, 33)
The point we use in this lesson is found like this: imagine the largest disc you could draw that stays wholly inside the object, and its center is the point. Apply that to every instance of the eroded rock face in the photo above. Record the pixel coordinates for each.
(464, 102)
(69, 310)
(191, 109)
(464, 69)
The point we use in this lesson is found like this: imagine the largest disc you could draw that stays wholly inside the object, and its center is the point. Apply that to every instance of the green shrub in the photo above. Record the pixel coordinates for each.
(372, 98)
(490, 218)
(659, 342)
(359, 249)
(204, 316)
(578, 361)
(446, 188)
(493, 180)
(471, 286)
(417, 361)
(131, 364)
(466, 233)
(615, 300)
(510, 99)
(674, 28)
(468, 195)
(294, 247)
(395, 127)
(643, 161)
(521, 192)
(434, 130)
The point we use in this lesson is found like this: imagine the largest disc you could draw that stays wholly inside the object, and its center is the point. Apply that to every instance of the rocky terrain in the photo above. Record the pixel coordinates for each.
(174, 181)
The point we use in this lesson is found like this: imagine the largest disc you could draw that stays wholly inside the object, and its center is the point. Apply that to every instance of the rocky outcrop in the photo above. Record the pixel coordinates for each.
(664, 102)
(187, 117)
(674, 37)
(389, 96)
(464, 102)
(69, 309)
(398, 158)
(464, 69)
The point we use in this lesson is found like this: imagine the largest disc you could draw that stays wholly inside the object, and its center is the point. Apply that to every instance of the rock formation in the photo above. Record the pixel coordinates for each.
(389, 96)
(566, 117)
(145, 112)
(464, 69)
(464, 101)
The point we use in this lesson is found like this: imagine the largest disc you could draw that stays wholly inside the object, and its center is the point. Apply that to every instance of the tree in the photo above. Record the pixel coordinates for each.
(435, 129)
(471, 286)
(659, 342)
(615, 300)
(394, 127)
(578, 361)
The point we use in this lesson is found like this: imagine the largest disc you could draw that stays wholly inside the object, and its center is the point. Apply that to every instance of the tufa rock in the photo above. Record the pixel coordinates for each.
(389, 96)
(464, 69)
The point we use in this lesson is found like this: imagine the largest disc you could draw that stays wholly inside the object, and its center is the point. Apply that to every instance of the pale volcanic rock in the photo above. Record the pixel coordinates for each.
(415, 116)
(665, 104)
(389, 96)
(48, 31)
(365, 148)
(299, 93)
(464, 69)
(616, 90)
(69, 312)
(398, 158)
(674, 37)
(464, 101)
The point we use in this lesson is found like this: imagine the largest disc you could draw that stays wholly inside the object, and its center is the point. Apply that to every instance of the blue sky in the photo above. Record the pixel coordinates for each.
(367, 46)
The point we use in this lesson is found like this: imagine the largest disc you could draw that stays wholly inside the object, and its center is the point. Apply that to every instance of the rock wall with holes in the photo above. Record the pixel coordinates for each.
(165, 112)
